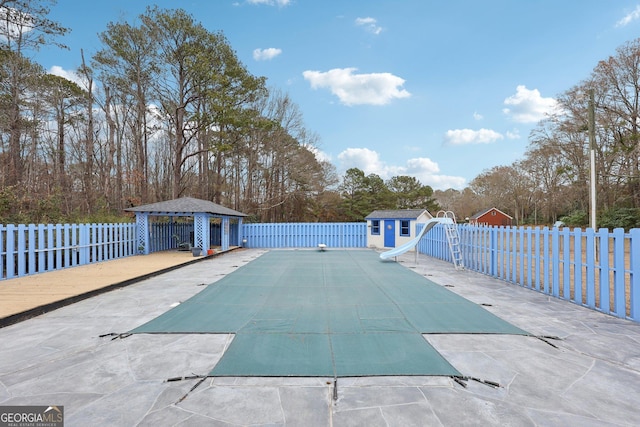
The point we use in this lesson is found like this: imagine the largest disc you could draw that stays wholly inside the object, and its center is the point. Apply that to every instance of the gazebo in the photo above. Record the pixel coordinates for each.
(201, 211)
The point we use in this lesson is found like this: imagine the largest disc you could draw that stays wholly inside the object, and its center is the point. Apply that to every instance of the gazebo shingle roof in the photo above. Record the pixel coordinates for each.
(186, 206)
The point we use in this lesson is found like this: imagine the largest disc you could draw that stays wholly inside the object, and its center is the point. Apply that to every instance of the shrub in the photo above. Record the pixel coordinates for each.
(577, 218)
(626, 218)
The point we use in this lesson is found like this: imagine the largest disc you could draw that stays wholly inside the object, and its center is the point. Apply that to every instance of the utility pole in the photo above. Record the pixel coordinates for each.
(592, 149)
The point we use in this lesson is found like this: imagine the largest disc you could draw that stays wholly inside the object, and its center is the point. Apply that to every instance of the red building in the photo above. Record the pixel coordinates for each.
(493, 217)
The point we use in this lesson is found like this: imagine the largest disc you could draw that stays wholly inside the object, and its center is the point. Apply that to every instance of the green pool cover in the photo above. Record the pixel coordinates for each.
(337, 313)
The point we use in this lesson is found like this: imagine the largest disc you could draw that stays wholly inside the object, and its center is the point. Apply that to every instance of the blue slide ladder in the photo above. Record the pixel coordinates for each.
(453, 238)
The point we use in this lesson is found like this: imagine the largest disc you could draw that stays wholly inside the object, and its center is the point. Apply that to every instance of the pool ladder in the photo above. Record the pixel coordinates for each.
(453, 238)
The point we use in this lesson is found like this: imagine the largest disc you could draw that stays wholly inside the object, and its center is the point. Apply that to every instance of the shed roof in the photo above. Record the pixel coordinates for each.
(484, 211)
(186, 206)
(397, 214)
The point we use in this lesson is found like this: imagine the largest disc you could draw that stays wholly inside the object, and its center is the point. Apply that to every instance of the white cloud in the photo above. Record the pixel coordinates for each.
(363, 159)
(356, 89)
(528, 106)
(427, 172)
(477, 116)
(365, 21)
(422, 164)
(57, 70)
(280, 3)
(320, 155)
(414, 148)
(266, 54)
(370, 24)
(629, 18)
(513, 134)
(469, 136)
(423, 169)
(14, 22)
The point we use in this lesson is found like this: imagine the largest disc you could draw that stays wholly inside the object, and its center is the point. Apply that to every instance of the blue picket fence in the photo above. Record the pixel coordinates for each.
(29, 249)
(166, 236)
(595, 269)
(305, 235)
(599, 270)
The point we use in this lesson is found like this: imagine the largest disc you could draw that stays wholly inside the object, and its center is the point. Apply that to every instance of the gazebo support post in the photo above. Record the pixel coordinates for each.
(142, 233)
(201, 232)
(239, 234)
(225, 234)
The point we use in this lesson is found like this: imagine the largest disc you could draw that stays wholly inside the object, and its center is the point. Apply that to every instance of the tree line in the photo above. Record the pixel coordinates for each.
(552, 181)
(166, 109)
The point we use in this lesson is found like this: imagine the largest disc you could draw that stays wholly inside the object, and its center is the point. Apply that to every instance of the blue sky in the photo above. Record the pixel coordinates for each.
(439, 90)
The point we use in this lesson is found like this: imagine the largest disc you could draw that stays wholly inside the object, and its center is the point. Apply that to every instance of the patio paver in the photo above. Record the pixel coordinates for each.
(592, 378)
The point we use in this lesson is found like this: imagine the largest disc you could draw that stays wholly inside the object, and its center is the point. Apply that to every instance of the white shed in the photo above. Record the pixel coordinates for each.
(391, 228)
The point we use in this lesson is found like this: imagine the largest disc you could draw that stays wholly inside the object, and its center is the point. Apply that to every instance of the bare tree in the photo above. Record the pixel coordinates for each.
(127, 66)
(506, 188)
(65, 99)
(24, 28)
(617, 83)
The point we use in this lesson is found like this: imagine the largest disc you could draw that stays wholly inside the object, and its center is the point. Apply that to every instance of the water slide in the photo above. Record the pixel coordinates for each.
(414, 242)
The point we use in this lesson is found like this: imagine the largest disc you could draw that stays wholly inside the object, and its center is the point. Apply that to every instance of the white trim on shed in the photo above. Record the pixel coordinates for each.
(377, 219)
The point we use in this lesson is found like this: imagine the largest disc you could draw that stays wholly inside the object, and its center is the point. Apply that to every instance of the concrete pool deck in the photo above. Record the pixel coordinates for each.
(590, 378)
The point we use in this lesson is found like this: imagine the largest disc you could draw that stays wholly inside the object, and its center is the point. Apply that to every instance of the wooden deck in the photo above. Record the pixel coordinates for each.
(30, 296)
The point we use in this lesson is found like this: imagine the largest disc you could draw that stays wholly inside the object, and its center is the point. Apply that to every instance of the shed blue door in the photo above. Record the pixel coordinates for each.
(389, 233)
